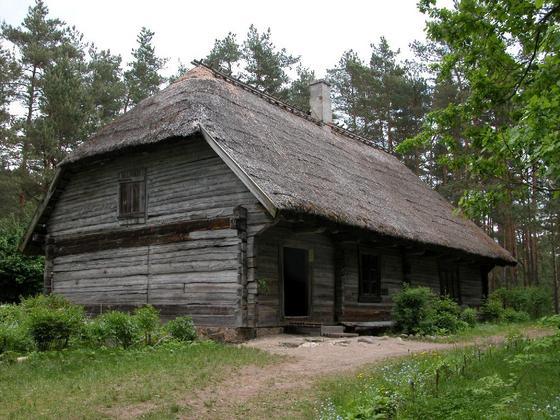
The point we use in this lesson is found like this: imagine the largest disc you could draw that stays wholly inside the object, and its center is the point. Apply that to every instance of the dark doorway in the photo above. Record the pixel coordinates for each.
(296, 282)
(449, 281)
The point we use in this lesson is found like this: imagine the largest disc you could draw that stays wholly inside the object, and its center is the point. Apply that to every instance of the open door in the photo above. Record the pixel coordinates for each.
(296, 281)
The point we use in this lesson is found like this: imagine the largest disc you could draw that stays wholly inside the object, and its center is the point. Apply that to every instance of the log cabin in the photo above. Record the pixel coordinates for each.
(215, 200)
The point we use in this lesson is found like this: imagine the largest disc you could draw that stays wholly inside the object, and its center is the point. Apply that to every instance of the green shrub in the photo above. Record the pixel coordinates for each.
(120, 327)
(412, 306)
(51, 301)
(147, 319)
(11, 313)
(511, 315)
(182, 328)
(93, 333)
(540, 302)
(491, 310)
(442, 317)
(14, 338)
(469, 316)
(52, 328)
(536, 301)
(20, 275)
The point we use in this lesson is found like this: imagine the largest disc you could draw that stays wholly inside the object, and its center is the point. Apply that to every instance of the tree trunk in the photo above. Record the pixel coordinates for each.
(29, 120)
(554, 266)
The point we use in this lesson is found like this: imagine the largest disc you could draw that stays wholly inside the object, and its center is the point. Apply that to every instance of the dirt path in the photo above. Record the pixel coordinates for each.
(272, 391)
(279, 390)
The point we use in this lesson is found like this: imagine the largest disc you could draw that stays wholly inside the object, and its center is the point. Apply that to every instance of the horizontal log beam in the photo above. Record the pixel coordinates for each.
(127, 238)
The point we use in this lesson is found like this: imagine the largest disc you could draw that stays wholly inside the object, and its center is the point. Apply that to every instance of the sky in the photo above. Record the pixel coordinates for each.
(319, 31)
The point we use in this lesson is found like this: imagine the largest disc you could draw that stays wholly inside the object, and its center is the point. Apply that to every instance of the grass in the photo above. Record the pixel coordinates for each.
(518, 380)
(107, 382)
(484, 330)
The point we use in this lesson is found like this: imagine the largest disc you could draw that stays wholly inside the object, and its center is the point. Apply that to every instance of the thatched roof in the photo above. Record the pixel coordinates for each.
(298, 164)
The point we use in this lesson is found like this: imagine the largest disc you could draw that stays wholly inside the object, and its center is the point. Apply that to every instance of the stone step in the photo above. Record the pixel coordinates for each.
(332, 329)
(340, 335)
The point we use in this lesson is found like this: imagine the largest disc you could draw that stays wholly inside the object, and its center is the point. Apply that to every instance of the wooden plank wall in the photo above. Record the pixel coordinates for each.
(424, 271)
(391, 283)
(268, 273)
(201, 276)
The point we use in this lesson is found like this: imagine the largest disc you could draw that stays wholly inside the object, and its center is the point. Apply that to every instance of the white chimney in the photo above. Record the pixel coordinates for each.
(320, 100)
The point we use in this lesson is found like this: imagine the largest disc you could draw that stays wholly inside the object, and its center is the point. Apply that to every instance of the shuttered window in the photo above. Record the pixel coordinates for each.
(132, 193)
(370, 278)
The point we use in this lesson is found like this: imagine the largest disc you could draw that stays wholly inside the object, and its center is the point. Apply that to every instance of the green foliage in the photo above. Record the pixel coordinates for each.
(411, 308)
(86, 382)
(516, 380)
(147, 319)
(469, 316)
(182, 328)
(418, 310)
(535, 301)
(14, 336)
(120, 327)
(443, 317)
(20, 275)
(382, 99)
(143, 77)
(52, 321)
(511, 315)
(491, 310)
(225, 54)
(265, 65)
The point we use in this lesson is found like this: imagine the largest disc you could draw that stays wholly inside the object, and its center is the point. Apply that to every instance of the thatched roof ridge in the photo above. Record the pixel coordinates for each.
(300, 164)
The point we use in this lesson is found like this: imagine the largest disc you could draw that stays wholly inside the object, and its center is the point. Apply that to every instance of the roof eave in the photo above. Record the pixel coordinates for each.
(257, 191)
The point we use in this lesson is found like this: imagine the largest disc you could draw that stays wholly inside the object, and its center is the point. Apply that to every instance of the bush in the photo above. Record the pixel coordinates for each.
(412, 305)
(182, 328)
(20, 275)
(536, 301)
(147, 318)
(53, 327)
(14, 338)
(469, 316)
(491, 310)
(511, 315)
(120, 327)
(93, 333)
(442, 317)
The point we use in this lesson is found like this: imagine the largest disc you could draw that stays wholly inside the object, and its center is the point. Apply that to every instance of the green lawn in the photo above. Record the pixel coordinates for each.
(104, 383)
(518, 380)
(484, 330)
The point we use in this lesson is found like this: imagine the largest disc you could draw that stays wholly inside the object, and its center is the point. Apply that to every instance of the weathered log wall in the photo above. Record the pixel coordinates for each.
(334, 276)
(268, 275)
(189, 256)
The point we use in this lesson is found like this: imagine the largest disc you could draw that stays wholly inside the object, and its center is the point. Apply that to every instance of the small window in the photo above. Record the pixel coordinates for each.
(132, 194)
(449, 282)
(370, 278)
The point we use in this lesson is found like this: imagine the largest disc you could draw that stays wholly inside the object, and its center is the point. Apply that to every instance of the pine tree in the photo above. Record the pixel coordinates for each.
(351, 82)
(143, 77)
(9, 75)
(38, 41)
(265, 65)
(106, 88)
(298, 92)
(225, 54)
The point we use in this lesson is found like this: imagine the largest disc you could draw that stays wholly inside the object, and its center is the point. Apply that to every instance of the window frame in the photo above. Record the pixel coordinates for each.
(368, 297)
(130, 177)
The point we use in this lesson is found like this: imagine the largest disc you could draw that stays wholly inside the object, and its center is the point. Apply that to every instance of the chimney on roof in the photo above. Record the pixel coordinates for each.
(320, 100)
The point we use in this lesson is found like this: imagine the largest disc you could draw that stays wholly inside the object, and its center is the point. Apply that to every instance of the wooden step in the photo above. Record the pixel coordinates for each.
(332, 329)
(340, 335)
